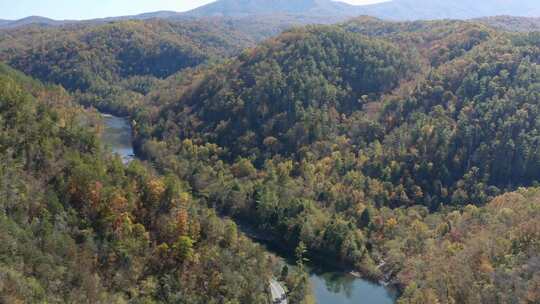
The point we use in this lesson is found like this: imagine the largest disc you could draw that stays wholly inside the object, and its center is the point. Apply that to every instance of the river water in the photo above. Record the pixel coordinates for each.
(329, 287)
(117, 135)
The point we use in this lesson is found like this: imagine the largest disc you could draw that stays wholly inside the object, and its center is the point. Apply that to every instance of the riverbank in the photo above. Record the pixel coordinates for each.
(323, 269)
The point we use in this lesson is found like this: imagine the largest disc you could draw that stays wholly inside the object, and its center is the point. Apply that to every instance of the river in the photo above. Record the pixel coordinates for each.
(329, 286)
(117, 135)
(332, 287)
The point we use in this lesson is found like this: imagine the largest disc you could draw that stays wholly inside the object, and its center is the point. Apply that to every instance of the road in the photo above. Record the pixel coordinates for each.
(277, 292)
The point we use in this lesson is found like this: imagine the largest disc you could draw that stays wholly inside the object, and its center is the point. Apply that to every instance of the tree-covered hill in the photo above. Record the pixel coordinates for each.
(477, 255)
(358, 139)
(309, 86)
(119, 60)
(514, 24)
(294, 90)
(267, 99)
(471, 122)
(78, 226)
(112, 65)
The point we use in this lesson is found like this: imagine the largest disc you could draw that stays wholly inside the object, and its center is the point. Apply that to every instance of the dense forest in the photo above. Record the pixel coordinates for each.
(117, 62)
(79, 226)
(513, 24)
(408, 151)
(316, 154)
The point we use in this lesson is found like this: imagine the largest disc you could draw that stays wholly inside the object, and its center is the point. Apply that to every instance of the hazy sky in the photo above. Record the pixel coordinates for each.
(87, 9)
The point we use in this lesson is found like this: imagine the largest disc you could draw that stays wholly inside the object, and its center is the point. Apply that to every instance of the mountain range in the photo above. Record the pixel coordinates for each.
(395, 9)
(235, 8)
(454, 9)
(338, 11)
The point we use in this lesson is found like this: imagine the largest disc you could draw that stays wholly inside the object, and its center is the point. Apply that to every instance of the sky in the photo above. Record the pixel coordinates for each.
(88, 9)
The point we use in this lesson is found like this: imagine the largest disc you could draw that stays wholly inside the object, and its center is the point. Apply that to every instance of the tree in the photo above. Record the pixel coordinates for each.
(182, 223)
(184, 248)
(231, 234)
(365, 218)
(300, 254)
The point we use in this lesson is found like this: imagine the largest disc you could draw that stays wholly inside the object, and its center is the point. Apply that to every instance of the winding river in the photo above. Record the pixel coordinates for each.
(329, 287)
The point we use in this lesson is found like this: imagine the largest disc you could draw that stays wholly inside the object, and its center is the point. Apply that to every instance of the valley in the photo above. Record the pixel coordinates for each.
(252, 159)
(329, 286)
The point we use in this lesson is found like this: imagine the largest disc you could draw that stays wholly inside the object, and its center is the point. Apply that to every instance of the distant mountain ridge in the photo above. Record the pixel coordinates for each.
(338, 11)
(45, 22)
(394, 10)
(453, 9)
(512, 24)
(32, 20)
(235, 8)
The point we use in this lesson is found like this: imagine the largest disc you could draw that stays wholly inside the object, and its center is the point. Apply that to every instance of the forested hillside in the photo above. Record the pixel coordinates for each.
(266, 101)
(514, 24)
(346, 143)
(79, 226)
(112, 65)
(477, 255)
(396, 149)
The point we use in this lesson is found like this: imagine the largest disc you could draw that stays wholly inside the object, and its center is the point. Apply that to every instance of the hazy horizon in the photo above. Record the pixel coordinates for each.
(86, 9)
